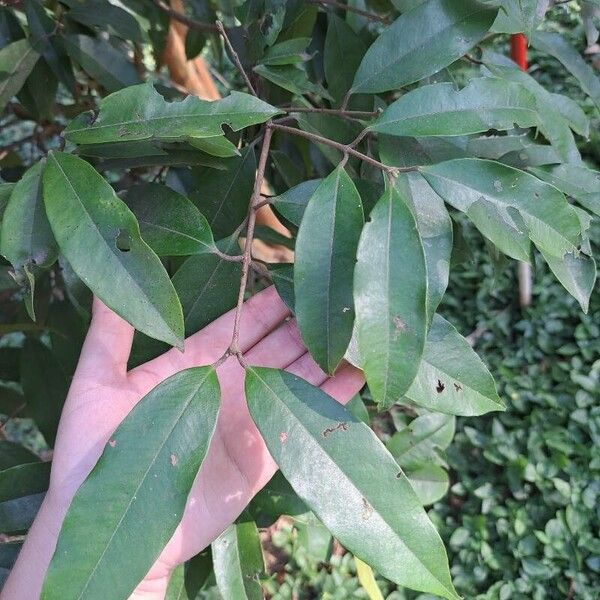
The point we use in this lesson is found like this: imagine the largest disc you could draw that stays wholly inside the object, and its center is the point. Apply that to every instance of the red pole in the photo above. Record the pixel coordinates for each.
(518, 52)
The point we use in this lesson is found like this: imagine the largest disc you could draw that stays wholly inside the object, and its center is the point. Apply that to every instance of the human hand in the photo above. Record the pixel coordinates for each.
(237, 465)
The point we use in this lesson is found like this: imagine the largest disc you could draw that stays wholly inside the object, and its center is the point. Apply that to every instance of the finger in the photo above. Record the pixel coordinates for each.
(346, 382)
(278, 349)
(261, 314)
(108, 341)
(308, 369)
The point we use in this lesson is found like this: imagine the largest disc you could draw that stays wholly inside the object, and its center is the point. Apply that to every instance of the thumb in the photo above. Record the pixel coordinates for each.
(108, 341)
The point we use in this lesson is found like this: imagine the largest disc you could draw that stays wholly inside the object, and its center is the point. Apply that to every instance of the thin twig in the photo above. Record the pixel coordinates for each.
(352, 9)
(234, 347)
(191, 23)
(473, 60)
(236, 59)
(333, 111)
(228, 257)
(346, 149)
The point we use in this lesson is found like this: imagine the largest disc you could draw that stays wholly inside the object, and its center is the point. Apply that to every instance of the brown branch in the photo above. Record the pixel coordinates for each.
(191, 23)
(235, 58)
(234, 348)
(340, 112)
(473, 60)
(352, 9)
(346, 149)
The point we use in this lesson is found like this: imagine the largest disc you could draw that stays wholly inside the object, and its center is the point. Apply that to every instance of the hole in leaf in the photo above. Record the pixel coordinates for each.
(123, 241)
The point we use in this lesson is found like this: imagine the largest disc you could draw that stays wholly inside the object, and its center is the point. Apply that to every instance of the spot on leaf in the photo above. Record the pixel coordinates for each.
(440, 387)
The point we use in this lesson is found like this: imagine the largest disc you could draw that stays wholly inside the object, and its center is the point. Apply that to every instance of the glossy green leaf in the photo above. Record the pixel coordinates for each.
(102, 61)
(45, 386)
(467, 184)
(390, 293)
(169, 223)
(430, 482)
(38, 95)
(292, 78)
(292, 203)
(289, 52)
(452, 379)
(358, 491)
(218, 145)
(343, 52)
(282, 275)
(223, 196)
(438, 109)
(26, 235)
(421, 440)
(238, 561)
(421, 42)
(556, 45)
(100, 238)
(147, 469)
(580, 183)
(141, 113)
(324, 262)
(16, 63)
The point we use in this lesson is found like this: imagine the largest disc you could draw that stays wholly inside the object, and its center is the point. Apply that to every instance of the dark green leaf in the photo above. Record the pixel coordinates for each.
(390, 292)
(324, 262)
(100, 238)
(430, 482)
(238, 561)
(187, 579)
(292, 203)
(421, 42)
(9, 363)
(452, 379)
(289, 52)
(39, 92)
(12, 454)
(492, 189)
(275, 499)
(141, 113)
(17, 515)
(148, 485)
(438, 109)
(169, 223)
(292, 78)
(16, 63)
(358, 491)
(24, 480)
(102, 62)
(520, 16)
(282, 275)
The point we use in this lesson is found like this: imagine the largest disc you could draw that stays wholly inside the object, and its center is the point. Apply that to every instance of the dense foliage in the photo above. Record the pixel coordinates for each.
(351, 117)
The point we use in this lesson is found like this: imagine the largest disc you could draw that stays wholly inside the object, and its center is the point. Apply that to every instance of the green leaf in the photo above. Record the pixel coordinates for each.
(188, 579)
(390, 292)
(438, 109)
(324, 261)
(452, 379)
(289, 52)
(102, 62)
(420, 441)
(17, 515)
(478, 185)
(275, 499)
(292, 203)
(238, 561)
(26, 235)
(223, 197)
(282, 275)
(45, 386)
(141, 113)
(38, 95)
(169, 223)
(580, 183)
(292, 78)
(16, 63)
(344, 49)
(358, 490)
(100, 238)
(520, 16)
(421, 42)
(218, 145)
(12, 454)
(24, 480)
(148, 485)
(556, 45)
(430, 482)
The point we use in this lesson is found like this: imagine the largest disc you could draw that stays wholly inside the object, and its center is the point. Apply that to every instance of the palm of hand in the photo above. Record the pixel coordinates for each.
(238, 464)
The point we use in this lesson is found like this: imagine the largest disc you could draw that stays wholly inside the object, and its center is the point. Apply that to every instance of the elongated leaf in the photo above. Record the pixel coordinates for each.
(452, 379)
(390, 292)
(520, 16)
(282, 275)
(556, 45)
(292, 203)
(100, 238)
(581, 183)
(324, 261)
(23, 480)
(18, 514)
(438, 109)
(16, 63)
(292, 78)
(238, 561)
(102, 62)
(26, 235)
(275, 499)
(222, 197)
(336, 464)
(290, 52)
(550, 221)
(187, 579)
(141, 113)
(147, 469)
(421, 42)
(419, 442)
(366, 578)
(430, 482)
(343, 52)
(169, 223)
